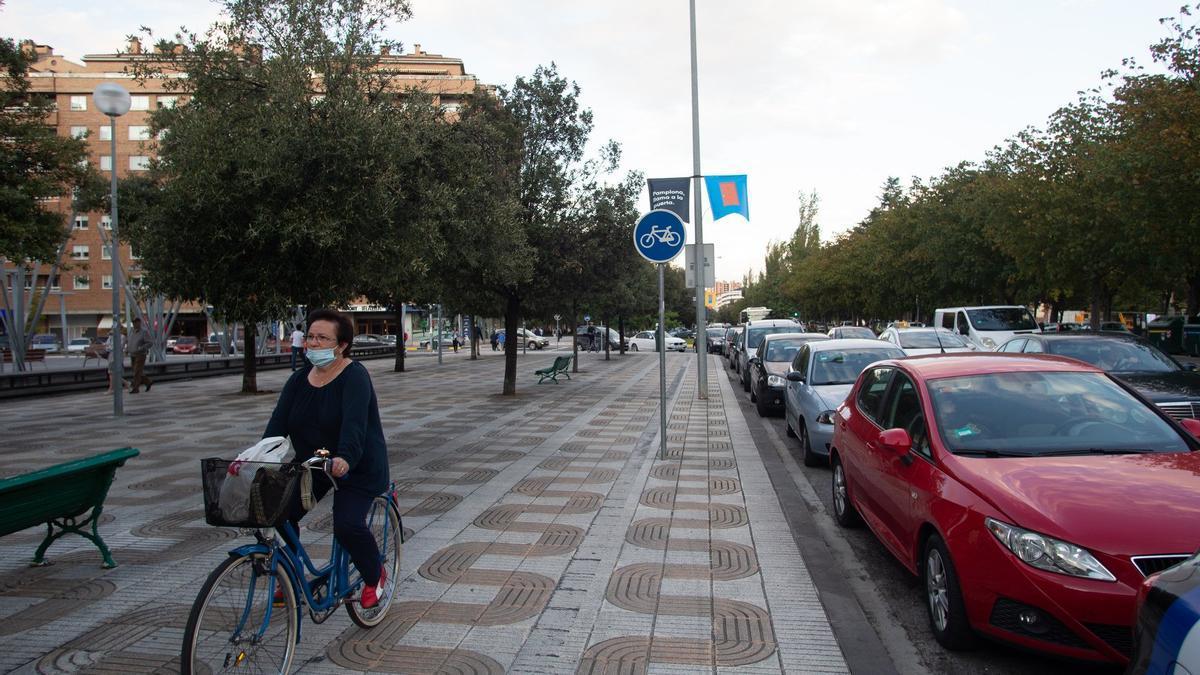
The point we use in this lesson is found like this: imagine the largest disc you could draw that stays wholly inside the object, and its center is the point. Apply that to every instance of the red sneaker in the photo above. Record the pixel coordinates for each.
(373, 595)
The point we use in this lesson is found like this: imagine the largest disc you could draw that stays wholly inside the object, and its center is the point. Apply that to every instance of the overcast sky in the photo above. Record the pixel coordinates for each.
(825, 95)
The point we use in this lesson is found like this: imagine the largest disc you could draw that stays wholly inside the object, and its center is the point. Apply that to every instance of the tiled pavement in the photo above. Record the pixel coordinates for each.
(546, 535)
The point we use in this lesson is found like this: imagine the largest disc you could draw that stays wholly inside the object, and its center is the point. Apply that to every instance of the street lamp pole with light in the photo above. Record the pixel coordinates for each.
(114, 101)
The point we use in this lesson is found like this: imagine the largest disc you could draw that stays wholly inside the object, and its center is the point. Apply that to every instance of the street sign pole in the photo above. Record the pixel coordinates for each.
(662, 368)
(701, 331)
(659, 237)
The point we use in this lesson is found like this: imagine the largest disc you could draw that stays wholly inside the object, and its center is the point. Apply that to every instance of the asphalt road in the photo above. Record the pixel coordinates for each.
(892, 599)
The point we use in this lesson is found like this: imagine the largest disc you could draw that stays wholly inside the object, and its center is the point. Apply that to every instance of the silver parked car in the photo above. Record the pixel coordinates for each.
(821, 376)
(921, 341)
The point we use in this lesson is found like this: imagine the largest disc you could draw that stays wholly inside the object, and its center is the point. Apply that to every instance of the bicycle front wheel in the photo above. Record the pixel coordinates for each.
(236, 625)
(384, 521)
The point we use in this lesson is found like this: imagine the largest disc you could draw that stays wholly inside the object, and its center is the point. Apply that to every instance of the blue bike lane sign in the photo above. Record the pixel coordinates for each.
(659, 236)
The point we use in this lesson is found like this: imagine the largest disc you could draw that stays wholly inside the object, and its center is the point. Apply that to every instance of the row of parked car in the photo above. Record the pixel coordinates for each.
(1042, 490)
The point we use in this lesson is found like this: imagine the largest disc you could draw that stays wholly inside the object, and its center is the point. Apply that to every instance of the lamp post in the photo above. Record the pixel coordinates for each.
(112, 100)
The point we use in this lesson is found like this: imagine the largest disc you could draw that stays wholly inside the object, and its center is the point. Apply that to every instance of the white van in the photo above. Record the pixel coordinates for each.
(987, 327)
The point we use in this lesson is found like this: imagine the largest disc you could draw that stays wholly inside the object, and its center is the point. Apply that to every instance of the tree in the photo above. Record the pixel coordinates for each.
(276, 168)
(36, 165)
(1159, 121)
(554, 129)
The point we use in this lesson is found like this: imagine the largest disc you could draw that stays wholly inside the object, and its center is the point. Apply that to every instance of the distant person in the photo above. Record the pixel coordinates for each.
(112, 362)
(454, 343)
(495, 341)
(500, 337)
(297, 344)
(139, 349)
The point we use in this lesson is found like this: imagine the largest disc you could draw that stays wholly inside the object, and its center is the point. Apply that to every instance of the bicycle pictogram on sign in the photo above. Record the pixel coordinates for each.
(659, 236)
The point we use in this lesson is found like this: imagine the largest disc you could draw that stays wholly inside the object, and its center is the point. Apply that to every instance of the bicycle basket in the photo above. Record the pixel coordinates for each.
(247, 494)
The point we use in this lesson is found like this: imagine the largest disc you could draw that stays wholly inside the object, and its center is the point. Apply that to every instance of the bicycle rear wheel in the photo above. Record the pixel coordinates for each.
(384, 521)
(234, 625)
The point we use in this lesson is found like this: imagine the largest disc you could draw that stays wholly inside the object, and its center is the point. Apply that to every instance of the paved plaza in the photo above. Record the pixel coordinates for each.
(544, 533)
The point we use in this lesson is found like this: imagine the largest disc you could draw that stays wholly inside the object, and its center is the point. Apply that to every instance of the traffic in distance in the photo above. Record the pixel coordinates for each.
(1041, 485)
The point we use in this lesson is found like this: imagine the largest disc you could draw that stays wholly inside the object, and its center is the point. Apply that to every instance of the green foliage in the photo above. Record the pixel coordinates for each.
(1100, 207)
(36, 165)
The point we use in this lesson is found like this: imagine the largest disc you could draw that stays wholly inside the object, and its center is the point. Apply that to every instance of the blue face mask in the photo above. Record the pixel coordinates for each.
(320, 357)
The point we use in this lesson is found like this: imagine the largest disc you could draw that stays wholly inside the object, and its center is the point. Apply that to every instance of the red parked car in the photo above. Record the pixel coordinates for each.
(1032, 494)
(186, 344)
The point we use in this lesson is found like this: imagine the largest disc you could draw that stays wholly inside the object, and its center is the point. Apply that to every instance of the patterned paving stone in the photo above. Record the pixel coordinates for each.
(540, 529)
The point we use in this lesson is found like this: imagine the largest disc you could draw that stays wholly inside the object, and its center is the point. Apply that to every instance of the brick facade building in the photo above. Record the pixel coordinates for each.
(86, 277)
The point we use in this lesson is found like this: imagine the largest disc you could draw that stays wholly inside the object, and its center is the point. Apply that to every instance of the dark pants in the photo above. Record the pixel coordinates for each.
(350, 509)
(139, 373)
(296, 353)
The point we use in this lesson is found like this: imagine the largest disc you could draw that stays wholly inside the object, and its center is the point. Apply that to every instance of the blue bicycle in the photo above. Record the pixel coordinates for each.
(247, 615)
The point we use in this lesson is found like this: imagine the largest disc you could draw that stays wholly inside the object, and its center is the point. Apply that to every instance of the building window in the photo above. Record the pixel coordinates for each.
(133, 254)
(106, 282)
(167, 101)
(106, 252)
(79, 252)
(139, 163)
(106, 162)
(106, 132)
(78, 132)
(139, 102)
(139, 133)
(135, 282)
(81, 222)
(106, 222)
(79, 103)
(83, 283)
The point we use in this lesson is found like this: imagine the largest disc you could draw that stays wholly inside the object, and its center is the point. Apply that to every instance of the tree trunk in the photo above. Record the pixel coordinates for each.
(604, 320)
(249, 359)
(621, 333)
(1193, 295)
(401, 352)
(1097, 297)
(574, 341)
(512, 312)
(474, 337)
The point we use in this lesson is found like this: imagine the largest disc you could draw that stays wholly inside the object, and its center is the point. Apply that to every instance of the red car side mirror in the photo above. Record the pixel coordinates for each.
(1192, 425)
(897, 440)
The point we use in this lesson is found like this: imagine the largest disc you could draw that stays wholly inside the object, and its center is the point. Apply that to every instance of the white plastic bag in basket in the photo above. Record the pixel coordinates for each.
(234, 498)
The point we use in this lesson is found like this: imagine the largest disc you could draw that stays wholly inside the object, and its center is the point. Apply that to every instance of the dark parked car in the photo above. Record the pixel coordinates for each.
(1172, 387)
(1167, 631)
(769, 369)
(852, 332)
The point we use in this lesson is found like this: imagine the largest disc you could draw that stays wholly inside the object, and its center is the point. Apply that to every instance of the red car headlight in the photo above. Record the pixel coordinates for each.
(1048, 553)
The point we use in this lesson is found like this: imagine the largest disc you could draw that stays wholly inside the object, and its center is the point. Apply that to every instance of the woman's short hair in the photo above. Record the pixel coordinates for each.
(345, 327)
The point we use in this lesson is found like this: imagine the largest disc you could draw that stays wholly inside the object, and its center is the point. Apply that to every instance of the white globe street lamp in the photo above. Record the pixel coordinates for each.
(112, 100)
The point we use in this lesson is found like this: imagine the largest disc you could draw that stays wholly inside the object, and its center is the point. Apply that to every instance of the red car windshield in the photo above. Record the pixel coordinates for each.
(1045, 414)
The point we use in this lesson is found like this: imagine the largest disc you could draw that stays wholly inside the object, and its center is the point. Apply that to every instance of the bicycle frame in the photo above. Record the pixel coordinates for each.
(295, 562)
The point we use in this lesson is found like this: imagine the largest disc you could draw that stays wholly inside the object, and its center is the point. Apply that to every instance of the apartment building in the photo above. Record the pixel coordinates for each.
(84, 286)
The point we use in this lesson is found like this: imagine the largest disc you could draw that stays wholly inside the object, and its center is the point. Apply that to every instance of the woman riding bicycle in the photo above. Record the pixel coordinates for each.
(331, 404)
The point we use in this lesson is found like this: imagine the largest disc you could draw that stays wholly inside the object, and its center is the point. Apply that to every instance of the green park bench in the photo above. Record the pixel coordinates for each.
(57, 496)
(551, 372)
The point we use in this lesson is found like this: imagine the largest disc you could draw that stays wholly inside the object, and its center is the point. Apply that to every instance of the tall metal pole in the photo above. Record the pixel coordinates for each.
(115, 358)
(662, 369)
(698, 214)
(439, 334)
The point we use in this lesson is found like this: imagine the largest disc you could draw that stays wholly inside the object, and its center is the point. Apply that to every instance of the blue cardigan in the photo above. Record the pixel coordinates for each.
(343, 417)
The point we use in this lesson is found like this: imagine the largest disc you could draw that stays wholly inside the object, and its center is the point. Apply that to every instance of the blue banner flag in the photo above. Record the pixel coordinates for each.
(726, 195)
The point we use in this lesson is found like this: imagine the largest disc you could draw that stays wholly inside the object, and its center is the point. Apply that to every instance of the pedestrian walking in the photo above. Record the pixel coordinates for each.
(297, 344)
(454, 343)
(139, 349)
(500, 336)
(495, 341)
